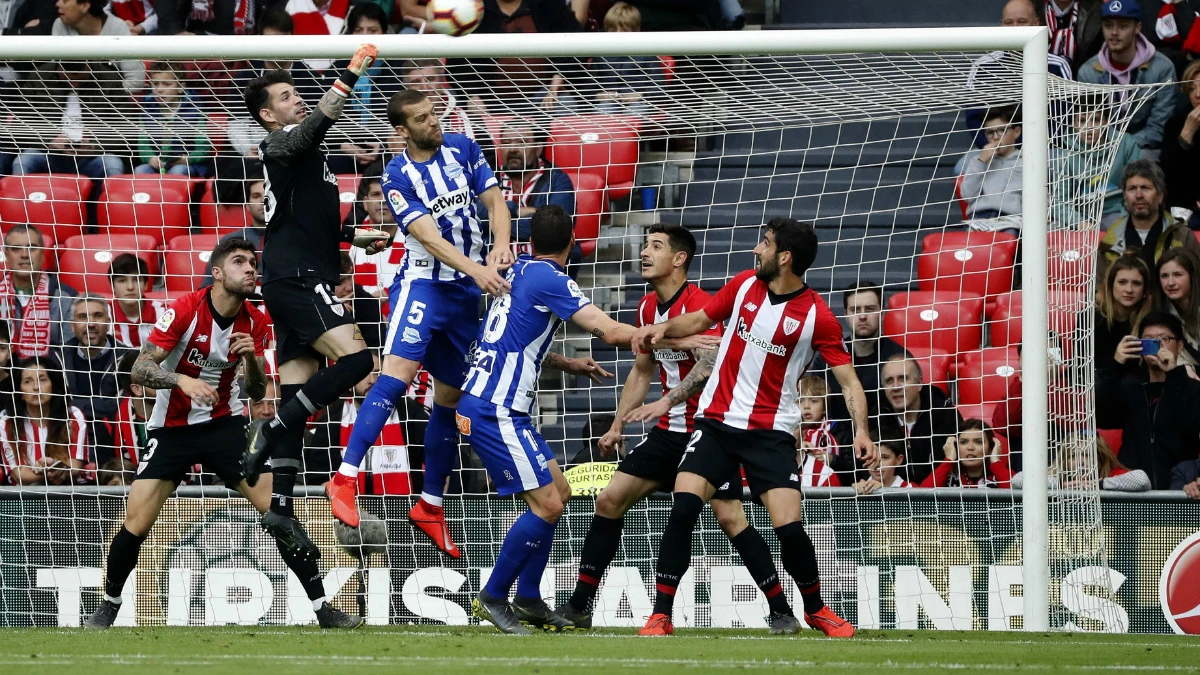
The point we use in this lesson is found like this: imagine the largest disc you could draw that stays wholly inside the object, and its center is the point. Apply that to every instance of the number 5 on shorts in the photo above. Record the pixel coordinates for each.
(416, 313)
(691, 446)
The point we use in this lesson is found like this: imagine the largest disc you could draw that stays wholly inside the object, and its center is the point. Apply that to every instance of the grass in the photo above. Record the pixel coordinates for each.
(442, 650)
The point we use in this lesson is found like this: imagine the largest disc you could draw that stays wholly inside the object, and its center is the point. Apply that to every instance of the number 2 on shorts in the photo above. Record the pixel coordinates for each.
(691, 446)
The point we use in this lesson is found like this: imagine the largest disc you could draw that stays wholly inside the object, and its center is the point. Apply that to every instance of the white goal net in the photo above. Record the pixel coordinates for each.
(880, 151)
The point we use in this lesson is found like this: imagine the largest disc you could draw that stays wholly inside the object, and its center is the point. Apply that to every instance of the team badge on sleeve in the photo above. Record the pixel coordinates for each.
(396, 200)
(164, 322)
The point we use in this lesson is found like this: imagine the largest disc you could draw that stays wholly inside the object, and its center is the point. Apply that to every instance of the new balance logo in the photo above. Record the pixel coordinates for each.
(751, 307)
(202, 338)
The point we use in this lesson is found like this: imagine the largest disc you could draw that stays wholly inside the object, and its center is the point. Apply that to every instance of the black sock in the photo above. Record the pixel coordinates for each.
(756, 556)
(603, 539)
(122, 558)
(675, 550)
(282, 487)
(307, 571)
(799, 558)
(321, 389)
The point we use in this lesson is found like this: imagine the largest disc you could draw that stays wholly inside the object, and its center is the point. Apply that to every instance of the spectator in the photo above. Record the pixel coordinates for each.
(1180, 150)
(8, 401)
(139, 15)
(520, 85)
(589, 450)
(361, 303)
(1124, 299)
(1074, 29)
(817, 450)
(659, 15)
(205, 17)
(129, 432)
(1178, 293)
(992, 177)
(973, 460)
(133, 315)
(863, 301)
(173, 135)
(46, 441)
(32, 17)
(1073, 462)
(90, 362)
(251, 193)
(116, 472)
(926, 415)
(1087, 168)
(1154, 230)
(428, 76)
(268, 406)
(368, 103)
(374, 272)
(623, 83)
(1186, 476)
(87, 17)
(1128, 58)
(528, 180)
(34, 303)
(76, 108)
(891, 458)
(1158, 408)
(318, 17)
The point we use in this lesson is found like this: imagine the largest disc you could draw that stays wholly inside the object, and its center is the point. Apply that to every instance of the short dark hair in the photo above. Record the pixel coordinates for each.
(550, 229)
(257, 96)
(128, 265)
(1011, 114)
(798, 238)
(1164, 319)
(395, 107)
(1092, 102)
(976, 424)
(862, 287)
(1147, 169)
(96, 7)
(124, 372)
(680, 238)
(371, 174)
(165, 67)
(366, 10)
(227, 246)
(278, 19)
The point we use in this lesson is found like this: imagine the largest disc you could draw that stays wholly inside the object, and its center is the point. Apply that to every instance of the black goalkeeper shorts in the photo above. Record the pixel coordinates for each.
(302, 309)
(171, 452)
(657, 458)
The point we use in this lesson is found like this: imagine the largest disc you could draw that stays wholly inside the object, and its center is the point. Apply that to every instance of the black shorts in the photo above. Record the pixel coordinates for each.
(657, 458)
(302, 309)
(171, 452)
(769, 456)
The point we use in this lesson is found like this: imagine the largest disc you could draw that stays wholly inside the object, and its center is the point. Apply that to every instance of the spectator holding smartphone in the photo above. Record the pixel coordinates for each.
(1125, 298)
(46, 442)
(1178, 293)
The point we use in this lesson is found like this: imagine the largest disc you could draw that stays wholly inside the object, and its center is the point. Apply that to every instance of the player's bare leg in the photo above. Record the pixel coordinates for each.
(799, 558)
(756, 556)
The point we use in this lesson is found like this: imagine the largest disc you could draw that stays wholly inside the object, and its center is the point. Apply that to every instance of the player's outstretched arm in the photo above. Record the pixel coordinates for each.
(592, 319)
(501, 225)
(691, 385)
(684, 325)
(147, 372)
(637, 385)
(426, 231)
(572, 366)
(856, 403)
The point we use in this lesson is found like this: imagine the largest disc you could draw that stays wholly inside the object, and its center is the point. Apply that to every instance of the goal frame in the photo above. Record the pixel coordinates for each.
(1032, 42)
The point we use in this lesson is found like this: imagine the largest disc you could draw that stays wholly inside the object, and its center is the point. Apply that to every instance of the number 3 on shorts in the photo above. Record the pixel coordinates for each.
(416, 313)
(151, 446)
(691, 446)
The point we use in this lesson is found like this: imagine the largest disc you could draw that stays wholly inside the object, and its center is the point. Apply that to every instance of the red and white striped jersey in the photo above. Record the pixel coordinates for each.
(766, 349)
(385, 469)
(134, 332)
(815, 473)
(199, 348)
(898, 482)
(673, 365)
(24, 442)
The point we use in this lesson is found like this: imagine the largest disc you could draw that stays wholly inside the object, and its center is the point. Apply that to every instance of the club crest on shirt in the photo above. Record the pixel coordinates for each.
(164, 322)
(453, 171)
(790, 325)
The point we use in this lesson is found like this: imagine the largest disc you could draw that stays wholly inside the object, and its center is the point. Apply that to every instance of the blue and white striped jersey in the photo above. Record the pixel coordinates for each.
(518, 330)
(446, 188)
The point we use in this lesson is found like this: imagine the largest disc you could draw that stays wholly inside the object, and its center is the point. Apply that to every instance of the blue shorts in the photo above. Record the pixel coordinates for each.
(513, 452)
(434, 323)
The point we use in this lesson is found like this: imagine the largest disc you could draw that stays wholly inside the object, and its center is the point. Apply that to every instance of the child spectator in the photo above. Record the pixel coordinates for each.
(116, 472)
(46, 441)
(973, 460)
(173, 135)
(816, 446)
(991, 182)
(1072, 465)
(1124, 299)
(1178, 293)
(624, 82)
(1088, 167)
(133, 316)
(891, 456)
(1180, 150)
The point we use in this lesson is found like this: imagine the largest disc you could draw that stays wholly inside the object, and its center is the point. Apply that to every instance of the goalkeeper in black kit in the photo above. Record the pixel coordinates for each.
(300, 267)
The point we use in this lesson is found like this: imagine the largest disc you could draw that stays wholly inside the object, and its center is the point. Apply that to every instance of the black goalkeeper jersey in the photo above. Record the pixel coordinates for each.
(304, 230)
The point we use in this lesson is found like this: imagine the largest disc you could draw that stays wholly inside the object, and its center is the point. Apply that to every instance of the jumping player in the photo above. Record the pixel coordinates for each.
(652, 465)
(748, 410)
(191, 358)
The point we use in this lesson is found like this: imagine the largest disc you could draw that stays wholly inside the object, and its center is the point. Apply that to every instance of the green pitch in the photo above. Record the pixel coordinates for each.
(440, 650)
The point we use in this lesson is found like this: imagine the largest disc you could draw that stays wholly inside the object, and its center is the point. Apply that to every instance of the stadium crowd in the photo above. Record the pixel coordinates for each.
(69, 413)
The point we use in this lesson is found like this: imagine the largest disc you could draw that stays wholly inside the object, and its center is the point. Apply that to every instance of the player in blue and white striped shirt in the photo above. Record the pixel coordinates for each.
(432, 189)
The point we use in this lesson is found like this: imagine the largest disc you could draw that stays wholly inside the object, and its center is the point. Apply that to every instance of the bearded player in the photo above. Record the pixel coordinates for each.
(748, 410)
(191, 358)
(301, 264)
(652, 464)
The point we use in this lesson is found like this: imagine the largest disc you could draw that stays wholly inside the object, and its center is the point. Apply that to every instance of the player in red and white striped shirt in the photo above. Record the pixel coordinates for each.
(748, 410)
(651, 466)
(191, 358)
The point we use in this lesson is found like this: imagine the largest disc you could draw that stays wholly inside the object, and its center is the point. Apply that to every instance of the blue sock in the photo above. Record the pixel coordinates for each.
(524, 540)
(376, 408)
(441, 446)
(529, 584)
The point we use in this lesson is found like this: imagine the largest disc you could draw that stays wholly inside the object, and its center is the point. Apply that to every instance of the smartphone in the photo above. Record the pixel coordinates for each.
(1150, 346)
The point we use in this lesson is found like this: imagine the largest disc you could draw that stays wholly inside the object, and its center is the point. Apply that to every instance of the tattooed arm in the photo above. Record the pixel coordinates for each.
(856, 404)
(690, 386)
(254, 373)
(592, 319)
(148, 373)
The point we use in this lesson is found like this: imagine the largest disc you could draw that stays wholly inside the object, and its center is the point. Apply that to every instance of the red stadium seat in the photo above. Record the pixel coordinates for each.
(1112, 437)
(984, 377)
(929, 320)
(168, 296)
(1071, 258)
(347, 193)
(1065, 306)
(958, 198)
(936, 366)
(53, 203)
(186, 260)
(981, 411)
(974, 262)
(83, 261)
(589, 207)
(223, 218)
(668, 68)
(606, 145)
(155, 206)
